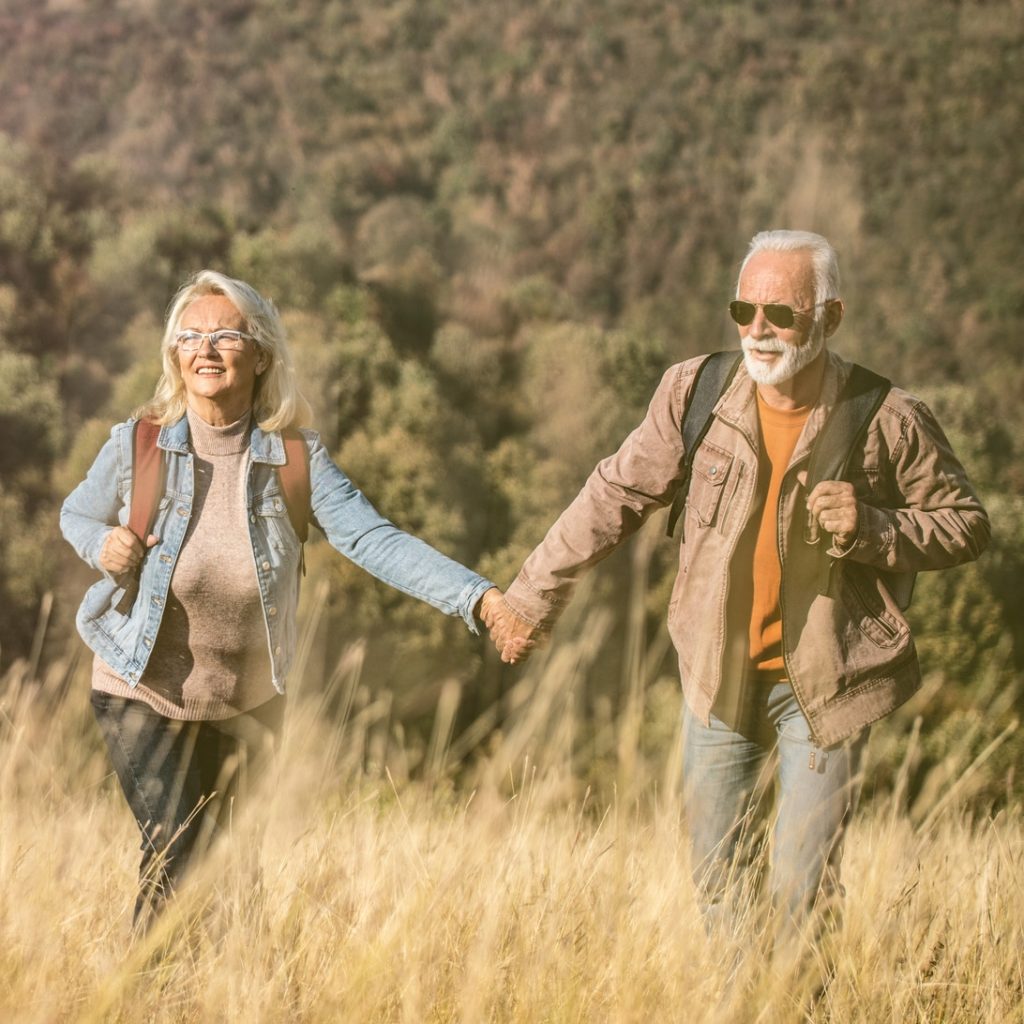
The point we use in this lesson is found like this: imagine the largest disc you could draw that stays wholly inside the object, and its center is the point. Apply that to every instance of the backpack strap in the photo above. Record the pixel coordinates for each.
(147, 486)
(847, 424)
(147, 478)
(843, 432)
(713, 376)
(294, 477)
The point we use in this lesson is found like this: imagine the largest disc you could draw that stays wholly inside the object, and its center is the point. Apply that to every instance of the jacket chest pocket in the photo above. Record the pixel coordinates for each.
(712, 483)
(271, 514)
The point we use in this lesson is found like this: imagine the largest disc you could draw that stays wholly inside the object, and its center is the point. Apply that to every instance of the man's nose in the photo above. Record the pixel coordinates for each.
(760, 326)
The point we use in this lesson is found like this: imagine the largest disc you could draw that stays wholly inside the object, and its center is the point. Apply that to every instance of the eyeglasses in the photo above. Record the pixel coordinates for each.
(774, 312)
(222, 341)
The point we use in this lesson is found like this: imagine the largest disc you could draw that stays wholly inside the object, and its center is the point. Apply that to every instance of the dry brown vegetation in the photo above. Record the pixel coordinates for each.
(519, 894)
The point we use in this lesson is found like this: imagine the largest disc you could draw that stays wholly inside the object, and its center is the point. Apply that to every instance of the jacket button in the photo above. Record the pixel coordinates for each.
(147, 641)
(271, 610)
(277, 652)
(166, 559)
(713, 471)
(252, 518)
(182, 511)
(265, 567)
(157, 601)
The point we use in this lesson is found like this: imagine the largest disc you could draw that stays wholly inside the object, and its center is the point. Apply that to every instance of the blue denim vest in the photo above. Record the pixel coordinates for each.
(120, 622)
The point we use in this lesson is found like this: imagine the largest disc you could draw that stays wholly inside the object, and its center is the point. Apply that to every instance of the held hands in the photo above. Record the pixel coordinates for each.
(514, 637)
(122, 550)
(833, 507)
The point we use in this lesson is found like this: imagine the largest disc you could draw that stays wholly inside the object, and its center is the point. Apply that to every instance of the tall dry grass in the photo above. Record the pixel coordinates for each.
(355, 894)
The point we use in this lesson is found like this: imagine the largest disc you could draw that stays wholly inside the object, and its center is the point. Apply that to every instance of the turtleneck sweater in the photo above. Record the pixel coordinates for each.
(210, 660)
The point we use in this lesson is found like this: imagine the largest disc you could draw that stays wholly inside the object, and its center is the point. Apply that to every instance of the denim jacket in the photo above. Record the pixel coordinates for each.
(120, 622)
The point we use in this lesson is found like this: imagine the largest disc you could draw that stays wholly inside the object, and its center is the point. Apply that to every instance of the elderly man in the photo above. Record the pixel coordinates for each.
(787, 610)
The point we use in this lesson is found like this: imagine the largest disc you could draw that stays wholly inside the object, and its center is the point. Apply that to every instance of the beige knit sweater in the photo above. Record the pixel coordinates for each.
(210, 660)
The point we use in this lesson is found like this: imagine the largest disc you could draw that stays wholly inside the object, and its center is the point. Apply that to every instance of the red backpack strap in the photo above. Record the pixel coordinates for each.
(147, 470)
(294, 477)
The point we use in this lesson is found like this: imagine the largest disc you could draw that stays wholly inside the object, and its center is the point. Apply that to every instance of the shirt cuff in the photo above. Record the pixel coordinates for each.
(471, 599)
(874, 539)
(531, 605)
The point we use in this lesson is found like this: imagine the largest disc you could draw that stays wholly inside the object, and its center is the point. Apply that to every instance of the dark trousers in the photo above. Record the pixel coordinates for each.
(184, 782)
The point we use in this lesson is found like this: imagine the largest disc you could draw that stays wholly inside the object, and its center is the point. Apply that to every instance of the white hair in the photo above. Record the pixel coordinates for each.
(277, 402)
(823, 257)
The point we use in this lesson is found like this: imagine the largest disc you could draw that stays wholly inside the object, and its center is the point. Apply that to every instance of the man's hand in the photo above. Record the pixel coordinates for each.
(122, 550)
(513, 636)
(833, 506)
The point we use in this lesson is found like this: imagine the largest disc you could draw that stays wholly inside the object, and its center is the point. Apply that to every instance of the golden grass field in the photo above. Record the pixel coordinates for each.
(516, 895)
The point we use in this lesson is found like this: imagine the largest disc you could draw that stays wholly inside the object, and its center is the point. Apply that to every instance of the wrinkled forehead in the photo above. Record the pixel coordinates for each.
(778, 277)
(209, 312)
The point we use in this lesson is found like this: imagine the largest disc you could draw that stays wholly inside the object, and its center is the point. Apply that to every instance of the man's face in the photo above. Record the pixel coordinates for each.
(774, 354)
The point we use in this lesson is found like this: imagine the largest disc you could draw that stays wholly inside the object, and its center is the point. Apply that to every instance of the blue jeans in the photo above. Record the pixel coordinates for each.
(726, 772)
(183, 782)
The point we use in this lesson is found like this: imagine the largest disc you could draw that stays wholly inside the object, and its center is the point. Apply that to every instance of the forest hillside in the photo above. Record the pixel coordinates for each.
(490, 229)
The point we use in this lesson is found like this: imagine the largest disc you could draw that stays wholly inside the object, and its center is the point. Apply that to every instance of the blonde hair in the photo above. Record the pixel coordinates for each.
(276, 402)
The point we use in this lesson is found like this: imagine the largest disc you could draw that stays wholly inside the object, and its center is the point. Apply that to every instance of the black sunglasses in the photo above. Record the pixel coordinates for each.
(774, 312)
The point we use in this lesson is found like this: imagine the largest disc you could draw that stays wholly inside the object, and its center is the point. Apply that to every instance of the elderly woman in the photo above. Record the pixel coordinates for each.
(193, 623)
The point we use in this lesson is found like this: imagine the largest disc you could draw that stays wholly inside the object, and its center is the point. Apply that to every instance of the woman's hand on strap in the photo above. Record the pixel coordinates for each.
(122, 550)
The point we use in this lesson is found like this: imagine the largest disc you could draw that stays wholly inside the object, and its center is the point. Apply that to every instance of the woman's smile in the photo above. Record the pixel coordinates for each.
(219, 383)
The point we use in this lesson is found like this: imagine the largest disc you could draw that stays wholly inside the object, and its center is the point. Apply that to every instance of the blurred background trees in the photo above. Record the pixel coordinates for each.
(490, 230)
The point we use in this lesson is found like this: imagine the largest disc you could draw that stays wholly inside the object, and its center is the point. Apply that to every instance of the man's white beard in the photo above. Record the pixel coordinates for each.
(794, 357)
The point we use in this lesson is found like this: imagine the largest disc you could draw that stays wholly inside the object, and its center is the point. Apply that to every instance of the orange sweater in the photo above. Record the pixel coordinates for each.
(780, 430)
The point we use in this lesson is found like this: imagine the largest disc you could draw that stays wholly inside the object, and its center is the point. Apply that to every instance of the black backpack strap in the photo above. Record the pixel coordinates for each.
(713, 376)
(844, 432)
(847, 424)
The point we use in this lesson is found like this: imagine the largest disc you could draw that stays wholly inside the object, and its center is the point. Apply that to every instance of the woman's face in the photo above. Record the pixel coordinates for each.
(219, 384)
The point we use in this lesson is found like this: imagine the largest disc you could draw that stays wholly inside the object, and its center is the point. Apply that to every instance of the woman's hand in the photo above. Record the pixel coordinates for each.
(122, 550)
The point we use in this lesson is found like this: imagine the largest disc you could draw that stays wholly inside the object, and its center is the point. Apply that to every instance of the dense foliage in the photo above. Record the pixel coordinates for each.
(490, 229)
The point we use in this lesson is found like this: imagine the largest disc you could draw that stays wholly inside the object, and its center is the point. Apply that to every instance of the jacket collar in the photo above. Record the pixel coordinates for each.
(738, 406)
(263, 446)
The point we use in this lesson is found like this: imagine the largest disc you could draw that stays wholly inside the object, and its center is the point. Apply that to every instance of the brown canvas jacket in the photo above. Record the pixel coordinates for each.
(848, 649)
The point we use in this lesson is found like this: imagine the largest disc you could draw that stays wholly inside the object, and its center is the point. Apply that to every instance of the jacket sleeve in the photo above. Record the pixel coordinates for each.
(939, 522)
(91, 510)
(359, 532)
(619, 496)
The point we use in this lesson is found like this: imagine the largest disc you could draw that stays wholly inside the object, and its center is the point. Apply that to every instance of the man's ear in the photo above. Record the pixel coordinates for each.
(834, 310)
